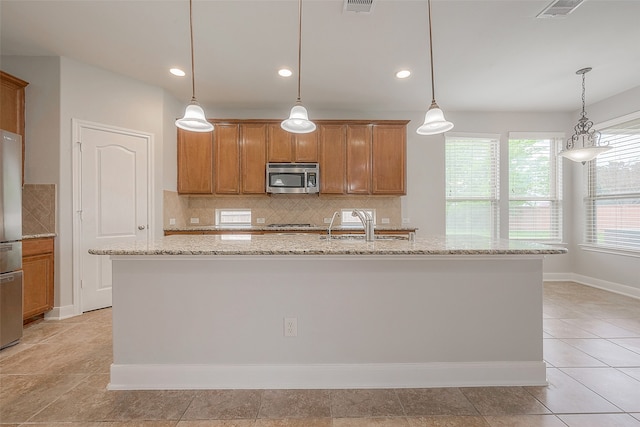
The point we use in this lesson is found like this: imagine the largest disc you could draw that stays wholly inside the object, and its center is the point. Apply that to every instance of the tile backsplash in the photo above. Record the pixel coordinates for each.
(38, 209)
(277, 208)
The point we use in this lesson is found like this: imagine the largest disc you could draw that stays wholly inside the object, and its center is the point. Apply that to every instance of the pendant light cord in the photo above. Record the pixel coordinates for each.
(193, 76)
(433, 90)
(299, 45)
(583, 98)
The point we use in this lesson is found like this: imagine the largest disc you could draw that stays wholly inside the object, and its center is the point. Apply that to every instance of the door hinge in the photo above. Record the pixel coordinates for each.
(79, 145)
(79, 212)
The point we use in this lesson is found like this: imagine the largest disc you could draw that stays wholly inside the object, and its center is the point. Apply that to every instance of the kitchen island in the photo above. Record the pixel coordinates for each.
(209, 312)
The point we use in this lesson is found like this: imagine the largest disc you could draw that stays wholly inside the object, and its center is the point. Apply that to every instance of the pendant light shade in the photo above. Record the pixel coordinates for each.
(584, 145)
(298, 121)
(434, 121)
(194, 119)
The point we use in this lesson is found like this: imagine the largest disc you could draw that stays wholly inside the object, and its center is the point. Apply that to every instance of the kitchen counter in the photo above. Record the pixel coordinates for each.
(208, 312)
(313, 244)
(38, 236)
(283, 229)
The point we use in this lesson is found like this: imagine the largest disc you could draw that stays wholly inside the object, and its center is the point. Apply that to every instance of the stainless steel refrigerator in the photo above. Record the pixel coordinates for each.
(10, 238)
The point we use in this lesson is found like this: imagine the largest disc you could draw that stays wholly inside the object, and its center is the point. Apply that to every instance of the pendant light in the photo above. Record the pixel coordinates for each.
(584, 144)
(298, 121)
(194, 119)
(434, 121)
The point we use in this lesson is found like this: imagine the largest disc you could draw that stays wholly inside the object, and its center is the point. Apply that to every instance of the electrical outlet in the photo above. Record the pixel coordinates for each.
(259, 220)
(290, 326)
(194, 220)
(172, 221)
(385, 220)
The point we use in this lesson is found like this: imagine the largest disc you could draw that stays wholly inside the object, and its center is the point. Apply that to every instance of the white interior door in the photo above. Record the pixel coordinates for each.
(114, 199)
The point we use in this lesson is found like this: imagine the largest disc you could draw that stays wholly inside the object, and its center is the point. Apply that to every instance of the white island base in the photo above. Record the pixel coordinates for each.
(372, 321)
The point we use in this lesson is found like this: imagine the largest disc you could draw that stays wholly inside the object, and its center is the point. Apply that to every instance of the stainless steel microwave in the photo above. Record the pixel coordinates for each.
(293, 178)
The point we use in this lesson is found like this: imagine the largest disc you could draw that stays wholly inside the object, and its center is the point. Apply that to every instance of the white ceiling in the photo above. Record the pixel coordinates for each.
(489, 55)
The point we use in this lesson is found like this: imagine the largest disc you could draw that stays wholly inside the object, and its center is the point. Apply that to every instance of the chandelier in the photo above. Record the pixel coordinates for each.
(584, 144)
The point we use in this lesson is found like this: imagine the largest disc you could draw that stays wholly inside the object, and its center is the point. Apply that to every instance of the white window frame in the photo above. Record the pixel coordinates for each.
(554, 198)
(590, 239)
(494, 198)
(347, 220)
(222, 222)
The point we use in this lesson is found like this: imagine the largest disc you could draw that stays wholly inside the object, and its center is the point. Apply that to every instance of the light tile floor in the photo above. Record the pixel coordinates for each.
(57, 376)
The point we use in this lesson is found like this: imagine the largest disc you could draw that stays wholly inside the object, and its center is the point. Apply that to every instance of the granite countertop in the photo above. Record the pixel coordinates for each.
(312, 228)
(38, 236)
(312, 244)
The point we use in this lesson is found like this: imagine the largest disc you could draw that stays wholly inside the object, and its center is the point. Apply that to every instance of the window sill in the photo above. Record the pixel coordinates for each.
(610, 251)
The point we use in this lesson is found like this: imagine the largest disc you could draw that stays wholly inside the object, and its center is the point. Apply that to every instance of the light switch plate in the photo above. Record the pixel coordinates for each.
(194, 220)
(172, 221)
(385, 220)
(259, 220)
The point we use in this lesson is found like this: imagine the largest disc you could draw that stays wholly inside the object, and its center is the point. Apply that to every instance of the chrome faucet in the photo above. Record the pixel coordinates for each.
(367, 222)
(331, 223)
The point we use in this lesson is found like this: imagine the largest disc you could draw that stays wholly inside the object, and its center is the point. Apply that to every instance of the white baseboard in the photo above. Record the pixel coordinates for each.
(333, 376)
(617, 288)
(59, 313)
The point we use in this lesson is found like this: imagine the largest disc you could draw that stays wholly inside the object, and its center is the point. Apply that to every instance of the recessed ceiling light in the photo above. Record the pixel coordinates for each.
(403, 74)
(285, 72)
(177, 72)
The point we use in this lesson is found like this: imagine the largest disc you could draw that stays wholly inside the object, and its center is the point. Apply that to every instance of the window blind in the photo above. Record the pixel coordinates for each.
(535, 187)
(612, 204)
(472, 187)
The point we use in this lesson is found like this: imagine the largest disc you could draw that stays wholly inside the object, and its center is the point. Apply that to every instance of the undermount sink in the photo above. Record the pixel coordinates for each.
(361, 237)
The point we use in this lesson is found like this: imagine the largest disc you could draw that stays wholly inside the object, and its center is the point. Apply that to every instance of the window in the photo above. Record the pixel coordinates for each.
(347, 220)
(535, 186)
(472, 190)
(613, 189)
(233, 217)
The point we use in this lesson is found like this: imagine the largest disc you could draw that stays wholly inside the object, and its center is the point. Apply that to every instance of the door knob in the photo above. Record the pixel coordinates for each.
(141, 227)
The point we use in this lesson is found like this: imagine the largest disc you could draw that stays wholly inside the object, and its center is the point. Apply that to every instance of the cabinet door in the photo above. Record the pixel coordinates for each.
(358, 159)
(226, 159)
(306, 147)
(388, 159)
(279, 144)
(254, 158)
(195, 162)
(37, 270)
(332, 158)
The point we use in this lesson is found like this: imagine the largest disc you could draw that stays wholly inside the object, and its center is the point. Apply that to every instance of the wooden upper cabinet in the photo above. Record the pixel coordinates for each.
(195, 175)
(254, 158)
(226, 158)
(355, 157)
(305, 147)
(279, 144)
(358, 159)
(332, 163)
(12, 104)
(285, 147)
(388, 159)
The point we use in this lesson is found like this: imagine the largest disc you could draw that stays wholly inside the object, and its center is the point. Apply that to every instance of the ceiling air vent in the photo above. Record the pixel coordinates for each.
(358, 6)
(559, 8)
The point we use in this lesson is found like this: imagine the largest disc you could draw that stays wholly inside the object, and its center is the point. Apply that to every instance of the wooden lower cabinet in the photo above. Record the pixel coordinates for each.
(37, 269)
